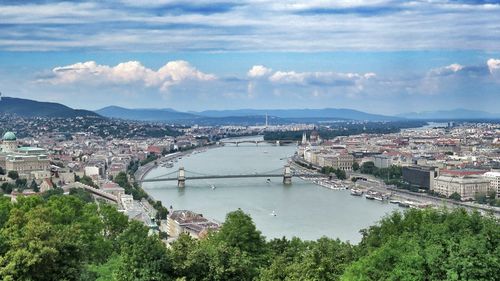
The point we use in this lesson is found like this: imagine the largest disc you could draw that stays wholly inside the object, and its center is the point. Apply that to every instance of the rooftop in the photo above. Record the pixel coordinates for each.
(9, 136)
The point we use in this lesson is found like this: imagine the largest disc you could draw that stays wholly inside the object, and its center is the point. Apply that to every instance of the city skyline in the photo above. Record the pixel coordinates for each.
(384, 57)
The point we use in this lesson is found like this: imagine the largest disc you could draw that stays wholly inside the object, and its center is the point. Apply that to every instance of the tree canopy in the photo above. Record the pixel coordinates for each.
(66, 237)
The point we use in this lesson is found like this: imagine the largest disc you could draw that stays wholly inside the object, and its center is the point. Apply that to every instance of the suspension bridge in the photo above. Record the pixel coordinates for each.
(256, 142)
(181, 176)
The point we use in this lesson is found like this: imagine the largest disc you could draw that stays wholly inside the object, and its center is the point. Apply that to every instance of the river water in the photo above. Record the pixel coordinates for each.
(303, 209)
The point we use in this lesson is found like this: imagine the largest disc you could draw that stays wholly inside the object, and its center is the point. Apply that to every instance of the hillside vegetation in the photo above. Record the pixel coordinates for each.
(56, 237)
(31, 108)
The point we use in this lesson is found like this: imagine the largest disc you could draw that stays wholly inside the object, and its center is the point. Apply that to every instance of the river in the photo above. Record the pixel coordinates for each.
(303, 209)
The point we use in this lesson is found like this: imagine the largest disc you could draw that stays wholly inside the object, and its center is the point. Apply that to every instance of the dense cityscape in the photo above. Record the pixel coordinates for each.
(453, 163)
(249, 140)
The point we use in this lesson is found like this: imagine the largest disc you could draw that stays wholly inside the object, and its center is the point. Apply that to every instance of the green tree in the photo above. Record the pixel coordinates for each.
(355, 166)
(82, 194)
(7, 187)
(368, 168)
(88, 181)
(144, 258)
(455, 196)
(43, 241)
(240, 232)
(13, 175)
(429, 245)
(34, 186)
(114, 222)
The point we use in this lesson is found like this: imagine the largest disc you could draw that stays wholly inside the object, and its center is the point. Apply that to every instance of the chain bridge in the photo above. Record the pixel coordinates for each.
(256, 142)
(182, 175)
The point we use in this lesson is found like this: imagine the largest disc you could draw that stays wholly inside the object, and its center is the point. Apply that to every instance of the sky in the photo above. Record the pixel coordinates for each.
(379, 56)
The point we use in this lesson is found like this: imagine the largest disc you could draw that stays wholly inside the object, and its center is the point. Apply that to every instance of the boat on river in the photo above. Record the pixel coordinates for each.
(356, 192)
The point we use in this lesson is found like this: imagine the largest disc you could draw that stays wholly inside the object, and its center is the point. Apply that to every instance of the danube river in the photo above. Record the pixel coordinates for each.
(303, 209)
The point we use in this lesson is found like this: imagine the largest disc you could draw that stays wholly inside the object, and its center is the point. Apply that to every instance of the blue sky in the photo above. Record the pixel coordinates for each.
(379, 56)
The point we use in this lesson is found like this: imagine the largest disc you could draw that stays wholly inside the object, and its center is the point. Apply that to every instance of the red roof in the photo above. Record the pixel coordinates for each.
(463, 172)
(154, 149)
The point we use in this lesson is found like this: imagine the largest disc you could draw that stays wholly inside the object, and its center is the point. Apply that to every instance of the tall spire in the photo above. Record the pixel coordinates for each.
(304, 138)
(266, 121)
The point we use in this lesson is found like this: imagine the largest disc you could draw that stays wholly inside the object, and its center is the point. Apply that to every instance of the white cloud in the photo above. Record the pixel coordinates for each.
(318, 78)
(447, 70)
(493, 65)
(454, 67)
(258, 71)
(172, 73)
(256, 25)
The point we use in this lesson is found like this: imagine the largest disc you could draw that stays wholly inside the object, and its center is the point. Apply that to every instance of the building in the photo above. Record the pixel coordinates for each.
(9, 143)
(494, 177)
(382, 161)
(184, 221)
(467, 186)
(24, 160)
(342, 161)
(421, 176)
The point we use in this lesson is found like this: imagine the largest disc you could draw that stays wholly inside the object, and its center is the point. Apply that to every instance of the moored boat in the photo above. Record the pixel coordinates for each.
(356, 192)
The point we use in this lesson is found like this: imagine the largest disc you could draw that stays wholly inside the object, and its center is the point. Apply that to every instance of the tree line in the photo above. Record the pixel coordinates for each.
(67, 237)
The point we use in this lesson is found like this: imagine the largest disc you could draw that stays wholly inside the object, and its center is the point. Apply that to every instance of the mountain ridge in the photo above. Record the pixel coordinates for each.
(167, 114)
(144, 114)
(32, 108)
(457, 113)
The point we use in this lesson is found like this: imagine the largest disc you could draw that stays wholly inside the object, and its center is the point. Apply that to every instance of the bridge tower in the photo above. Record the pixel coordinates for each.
(287, 175)
(181, 178)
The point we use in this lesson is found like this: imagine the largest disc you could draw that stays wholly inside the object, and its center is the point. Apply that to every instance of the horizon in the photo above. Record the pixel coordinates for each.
(381, 57)
(264, 109)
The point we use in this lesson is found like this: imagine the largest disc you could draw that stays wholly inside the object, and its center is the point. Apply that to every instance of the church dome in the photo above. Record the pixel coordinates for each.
(9, 136)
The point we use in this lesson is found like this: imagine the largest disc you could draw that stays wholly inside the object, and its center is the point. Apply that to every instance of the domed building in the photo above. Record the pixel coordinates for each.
(9, 142)
(24, 160)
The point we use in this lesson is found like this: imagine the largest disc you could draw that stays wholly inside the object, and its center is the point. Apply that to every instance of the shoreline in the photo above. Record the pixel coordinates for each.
(144, 170)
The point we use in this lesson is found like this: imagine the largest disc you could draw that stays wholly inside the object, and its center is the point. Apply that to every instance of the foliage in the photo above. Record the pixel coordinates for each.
(7, 187)
(62, 237)
(346, 129)
(355, 166)
(82, 194)
(21, 183)
(134, 189)
(133, 166)
(150, 158)
(52, 192)
(34, 186)
(13, 175)
(487, 198)
(455, 196)
(340, 174)
(429, 245)
(368, 168)
(87, 181)
(143, 257)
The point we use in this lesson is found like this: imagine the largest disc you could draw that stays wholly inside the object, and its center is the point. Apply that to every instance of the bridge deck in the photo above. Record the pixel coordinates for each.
(233, 177)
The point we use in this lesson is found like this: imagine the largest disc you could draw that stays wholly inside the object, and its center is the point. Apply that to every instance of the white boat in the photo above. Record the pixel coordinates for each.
(273, 213)
(212, 186)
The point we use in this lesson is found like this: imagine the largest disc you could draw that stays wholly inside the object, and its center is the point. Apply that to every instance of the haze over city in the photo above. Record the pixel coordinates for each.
(384, 57)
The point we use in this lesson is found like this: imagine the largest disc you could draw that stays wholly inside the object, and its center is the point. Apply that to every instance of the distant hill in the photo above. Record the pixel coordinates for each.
(241, 116)
(31, 108)
(459, 113)
(327, 113)
(165, 114)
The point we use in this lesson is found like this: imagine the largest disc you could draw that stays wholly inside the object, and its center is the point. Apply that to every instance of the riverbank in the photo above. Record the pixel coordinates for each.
(377, 185)
(144, 170)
